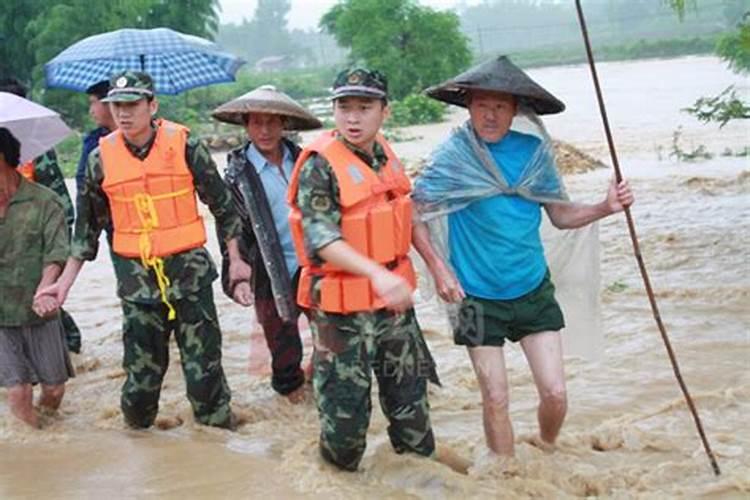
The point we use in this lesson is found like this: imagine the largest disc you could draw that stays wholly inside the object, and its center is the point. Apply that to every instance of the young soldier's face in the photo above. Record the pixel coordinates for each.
(359, 119)
(99, 111)
(492, 114)
(265, 131)
(134, 118)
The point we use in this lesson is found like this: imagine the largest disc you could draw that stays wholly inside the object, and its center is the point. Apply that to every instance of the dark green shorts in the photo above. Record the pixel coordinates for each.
(490, 322)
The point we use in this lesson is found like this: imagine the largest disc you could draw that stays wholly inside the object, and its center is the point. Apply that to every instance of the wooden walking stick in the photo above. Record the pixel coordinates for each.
(637, 249)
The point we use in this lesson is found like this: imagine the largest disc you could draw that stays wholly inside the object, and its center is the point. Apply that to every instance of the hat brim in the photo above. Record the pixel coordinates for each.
(124, 97)
(358, 93)
(502, 76)
(295, 116)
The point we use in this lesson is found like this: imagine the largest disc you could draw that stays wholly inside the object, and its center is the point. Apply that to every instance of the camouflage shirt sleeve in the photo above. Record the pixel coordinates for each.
(318, 200)
(211, 189)
(93, 211)
(47, 173)
(56, 239)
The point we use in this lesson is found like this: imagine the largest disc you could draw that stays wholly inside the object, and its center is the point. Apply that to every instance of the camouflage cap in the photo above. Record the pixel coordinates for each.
(360, 82)
(129, 86)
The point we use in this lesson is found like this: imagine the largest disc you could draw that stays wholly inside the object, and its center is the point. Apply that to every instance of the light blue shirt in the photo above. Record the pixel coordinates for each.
(495, 245)
(276, 184)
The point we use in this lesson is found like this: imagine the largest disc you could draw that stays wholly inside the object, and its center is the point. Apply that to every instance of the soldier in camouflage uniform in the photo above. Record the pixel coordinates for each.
(156, 300)
(386, 340)
(46, 171)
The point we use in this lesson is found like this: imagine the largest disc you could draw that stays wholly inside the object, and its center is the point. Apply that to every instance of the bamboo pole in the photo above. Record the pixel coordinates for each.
(637, 249)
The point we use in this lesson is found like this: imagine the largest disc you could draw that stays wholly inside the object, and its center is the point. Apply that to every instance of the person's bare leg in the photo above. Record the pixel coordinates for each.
(544, 353)
(52, 396)
(489, 366)
(20, 400)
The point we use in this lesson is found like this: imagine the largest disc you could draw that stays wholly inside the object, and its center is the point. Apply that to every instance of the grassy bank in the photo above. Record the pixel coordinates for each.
(641, 49)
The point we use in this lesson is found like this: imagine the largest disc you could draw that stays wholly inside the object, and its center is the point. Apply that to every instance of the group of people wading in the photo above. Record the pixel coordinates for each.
(325, 231)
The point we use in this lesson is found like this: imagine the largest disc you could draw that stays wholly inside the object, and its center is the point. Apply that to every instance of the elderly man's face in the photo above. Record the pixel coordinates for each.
(265, 131)
(491, 114)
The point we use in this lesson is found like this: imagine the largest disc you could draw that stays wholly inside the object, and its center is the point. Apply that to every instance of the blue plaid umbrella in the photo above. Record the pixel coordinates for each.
(177, 62)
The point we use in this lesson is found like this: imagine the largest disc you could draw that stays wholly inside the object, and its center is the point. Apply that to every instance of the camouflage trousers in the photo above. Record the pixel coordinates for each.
(348, 349)
(72, 333)
(146, 332)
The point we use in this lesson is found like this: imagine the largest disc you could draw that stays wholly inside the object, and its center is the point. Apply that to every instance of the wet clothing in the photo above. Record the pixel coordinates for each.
(282, 337)
(146, 326)
(34, 354)
(486, 322)
(47, 173)
(188, 271)
(494, 243)
(348, 350)
(350, 347)
(90, 143)
(33, 235)
(145, 337)
(275, 183)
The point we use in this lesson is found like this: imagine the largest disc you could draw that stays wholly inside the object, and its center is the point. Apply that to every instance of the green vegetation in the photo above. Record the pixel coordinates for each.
(416, 109)
(641, 49)
(414, 46)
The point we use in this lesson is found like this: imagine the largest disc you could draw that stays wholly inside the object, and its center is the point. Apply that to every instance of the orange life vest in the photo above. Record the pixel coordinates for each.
(27, 170)
(376, 213)
(152, 201)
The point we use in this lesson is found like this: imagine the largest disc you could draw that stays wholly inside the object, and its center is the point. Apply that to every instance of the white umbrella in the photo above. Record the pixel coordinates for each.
(37, 128)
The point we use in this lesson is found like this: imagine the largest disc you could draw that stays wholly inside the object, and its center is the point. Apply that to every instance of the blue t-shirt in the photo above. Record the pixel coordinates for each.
(495, 245)
(275, 183)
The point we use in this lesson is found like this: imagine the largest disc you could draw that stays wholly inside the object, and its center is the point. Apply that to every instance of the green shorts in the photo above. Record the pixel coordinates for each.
(489, 322)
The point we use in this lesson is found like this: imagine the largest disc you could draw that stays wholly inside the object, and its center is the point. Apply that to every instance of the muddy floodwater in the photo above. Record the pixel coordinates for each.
(628, 433)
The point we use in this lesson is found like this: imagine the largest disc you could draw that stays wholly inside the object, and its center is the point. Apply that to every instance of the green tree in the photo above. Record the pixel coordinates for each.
(734, 48)
(414, 46)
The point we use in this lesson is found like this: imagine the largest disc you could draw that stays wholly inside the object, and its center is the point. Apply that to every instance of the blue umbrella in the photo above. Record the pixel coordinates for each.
(177, 62)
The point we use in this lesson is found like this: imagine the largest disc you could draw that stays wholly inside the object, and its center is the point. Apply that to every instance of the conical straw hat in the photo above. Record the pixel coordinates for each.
(266, 99)
(497, 75)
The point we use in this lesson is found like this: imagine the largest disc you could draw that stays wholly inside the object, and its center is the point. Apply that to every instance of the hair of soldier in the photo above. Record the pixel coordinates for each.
(99, 89)
(13, 86)
(10, 148)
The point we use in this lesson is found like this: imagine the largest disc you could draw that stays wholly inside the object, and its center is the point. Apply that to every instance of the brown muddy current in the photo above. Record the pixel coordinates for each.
(628, 433)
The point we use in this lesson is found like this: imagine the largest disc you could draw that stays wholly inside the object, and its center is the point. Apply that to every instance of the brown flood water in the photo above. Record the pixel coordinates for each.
(628, 433)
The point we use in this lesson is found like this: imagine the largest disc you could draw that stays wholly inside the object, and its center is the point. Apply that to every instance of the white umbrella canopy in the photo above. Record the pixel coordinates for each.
(37, 128)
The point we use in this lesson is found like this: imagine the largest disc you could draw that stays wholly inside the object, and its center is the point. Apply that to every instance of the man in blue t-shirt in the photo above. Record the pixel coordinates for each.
(501, 277)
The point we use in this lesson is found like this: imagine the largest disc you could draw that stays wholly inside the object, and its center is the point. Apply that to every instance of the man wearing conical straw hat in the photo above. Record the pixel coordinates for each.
(485, 187)
(258, 175)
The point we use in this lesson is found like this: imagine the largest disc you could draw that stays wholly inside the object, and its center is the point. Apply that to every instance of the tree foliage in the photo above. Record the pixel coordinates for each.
(414, 46)
(734, 48)
(34, 31)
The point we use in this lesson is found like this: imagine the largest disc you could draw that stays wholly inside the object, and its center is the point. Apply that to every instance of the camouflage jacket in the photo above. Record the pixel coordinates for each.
(47, 173)
(187, 271)
(33, 235)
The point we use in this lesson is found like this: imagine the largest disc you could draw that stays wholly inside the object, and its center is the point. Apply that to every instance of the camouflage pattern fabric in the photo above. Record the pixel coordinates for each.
(47, 173)
(146, 333)
(348, 349)
(188, 271)
(32, 236)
